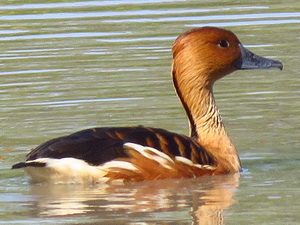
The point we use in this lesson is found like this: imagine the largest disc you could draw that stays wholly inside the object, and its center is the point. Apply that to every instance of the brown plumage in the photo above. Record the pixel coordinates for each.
(200, 57)
(151, 164)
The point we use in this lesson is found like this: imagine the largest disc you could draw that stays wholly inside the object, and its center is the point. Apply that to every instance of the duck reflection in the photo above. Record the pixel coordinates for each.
(186, 201)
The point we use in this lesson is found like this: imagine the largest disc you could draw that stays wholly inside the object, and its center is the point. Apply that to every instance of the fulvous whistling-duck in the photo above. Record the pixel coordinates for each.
(200, 57)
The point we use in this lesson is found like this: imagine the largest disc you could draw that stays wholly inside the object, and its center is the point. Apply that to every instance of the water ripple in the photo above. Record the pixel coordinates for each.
(77, 101)
(63, 35)
(207, 18)
(246, 23)
(80, 4)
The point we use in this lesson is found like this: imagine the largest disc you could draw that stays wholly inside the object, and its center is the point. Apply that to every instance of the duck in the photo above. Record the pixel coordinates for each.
(201, 56)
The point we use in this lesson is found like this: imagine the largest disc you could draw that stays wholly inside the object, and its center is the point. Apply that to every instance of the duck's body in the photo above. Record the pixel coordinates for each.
(200, 57)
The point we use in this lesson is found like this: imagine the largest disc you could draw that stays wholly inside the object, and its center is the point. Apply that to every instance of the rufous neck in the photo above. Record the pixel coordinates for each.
(206, 126)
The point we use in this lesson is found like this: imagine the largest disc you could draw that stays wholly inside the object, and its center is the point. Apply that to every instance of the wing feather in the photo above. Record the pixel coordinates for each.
(99, 145)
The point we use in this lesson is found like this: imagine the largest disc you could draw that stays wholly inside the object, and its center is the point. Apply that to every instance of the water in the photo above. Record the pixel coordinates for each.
(67, 66)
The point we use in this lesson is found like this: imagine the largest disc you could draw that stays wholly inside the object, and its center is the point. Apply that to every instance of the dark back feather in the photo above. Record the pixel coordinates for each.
(100, 145)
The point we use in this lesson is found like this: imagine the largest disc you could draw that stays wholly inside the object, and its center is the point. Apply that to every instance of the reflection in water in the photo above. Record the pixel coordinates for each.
(203, 200)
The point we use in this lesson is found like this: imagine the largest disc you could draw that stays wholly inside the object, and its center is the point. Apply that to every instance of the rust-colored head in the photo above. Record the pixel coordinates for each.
(213, 53)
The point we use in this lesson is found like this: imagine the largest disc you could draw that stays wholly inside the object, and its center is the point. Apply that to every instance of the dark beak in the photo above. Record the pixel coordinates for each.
(249, 61)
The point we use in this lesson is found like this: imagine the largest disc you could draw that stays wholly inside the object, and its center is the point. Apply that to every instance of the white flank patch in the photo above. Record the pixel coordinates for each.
(143, 150)
(184, 160)
(152, 153)
(118, 164)
(209, 167)
(190, 163)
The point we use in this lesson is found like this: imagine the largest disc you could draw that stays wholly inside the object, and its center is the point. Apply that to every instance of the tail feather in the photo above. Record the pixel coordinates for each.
(28, 163)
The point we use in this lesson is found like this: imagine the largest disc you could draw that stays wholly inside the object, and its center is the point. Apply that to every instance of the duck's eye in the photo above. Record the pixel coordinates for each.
(223, 43)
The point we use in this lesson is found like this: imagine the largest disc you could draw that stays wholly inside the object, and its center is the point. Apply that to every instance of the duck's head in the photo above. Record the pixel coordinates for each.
(213, 53)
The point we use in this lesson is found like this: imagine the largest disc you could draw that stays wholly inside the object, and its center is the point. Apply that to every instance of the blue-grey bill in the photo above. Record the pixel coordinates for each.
(249, 60)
